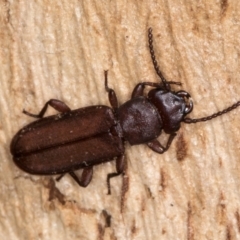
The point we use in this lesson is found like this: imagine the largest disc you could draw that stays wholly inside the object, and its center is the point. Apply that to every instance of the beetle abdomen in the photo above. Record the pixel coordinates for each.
(139, 120)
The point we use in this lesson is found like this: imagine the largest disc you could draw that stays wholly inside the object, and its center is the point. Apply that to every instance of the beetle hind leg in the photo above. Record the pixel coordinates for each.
(60, 177)
(120, 167)
(85, 178)
(54, 103)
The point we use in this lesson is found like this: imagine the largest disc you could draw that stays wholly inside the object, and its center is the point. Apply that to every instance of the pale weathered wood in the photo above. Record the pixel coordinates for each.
(59, 49)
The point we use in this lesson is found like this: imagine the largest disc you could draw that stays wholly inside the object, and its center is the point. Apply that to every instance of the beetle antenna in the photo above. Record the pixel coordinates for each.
(166, 83)
(204, 119)
(155, 64)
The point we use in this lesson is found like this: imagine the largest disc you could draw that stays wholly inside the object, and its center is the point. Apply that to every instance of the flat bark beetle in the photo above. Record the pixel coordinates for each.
(82, 138)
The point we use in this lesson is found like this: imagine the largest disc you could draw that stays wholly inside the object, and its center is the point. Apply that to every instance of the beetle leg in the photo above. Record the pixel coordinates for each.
(138, 90)
(60, 177)
(120, 167)
(111, 93)
(85, 178)
(156, 146)
(54, 103)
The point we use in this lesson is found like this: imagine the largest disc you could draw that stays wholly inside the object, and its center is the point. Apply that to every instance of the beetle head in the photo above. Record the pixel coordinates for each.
(172, 107)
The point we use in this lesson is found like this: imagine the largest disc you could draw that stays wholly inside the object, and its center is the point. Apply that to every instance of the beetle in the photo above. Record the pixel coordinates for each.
(82, 138)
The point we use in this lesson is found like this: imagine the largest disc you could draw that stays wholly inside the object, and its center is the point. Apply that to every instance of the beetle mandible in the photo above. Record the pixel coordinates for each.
(82, 138)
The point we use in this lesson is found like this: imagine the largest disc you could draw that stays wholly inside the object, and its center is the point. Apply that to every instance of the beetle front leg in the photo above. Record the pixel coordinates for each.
(156, 146)
(111, 93)
(54, 103)
(138, 90)
(85, 178)
(120, 167)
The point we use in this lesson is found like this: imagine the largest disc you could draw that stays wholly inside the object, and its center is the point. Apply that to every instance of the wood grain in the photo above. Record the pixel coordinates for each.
(60, 49)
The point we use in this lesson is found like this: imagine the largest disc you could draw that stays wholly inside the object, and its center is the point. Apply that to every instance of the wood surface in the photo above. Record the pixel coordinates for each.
(60, 49)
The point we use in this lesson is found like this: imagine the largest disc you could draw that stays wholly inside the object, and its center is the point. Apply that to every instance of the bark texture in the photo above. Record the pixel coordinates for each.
(60, 49)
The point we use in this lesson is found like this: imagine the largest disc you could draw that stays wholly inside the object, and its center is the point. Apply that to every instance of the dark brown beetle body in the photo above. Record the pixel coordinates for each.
(82, 138)
(77, 138)
(139, 120)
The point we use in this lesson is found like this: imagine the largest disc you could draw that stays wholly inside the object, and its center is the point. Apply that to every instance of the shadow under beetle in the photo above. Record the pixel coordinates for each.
(82, 138)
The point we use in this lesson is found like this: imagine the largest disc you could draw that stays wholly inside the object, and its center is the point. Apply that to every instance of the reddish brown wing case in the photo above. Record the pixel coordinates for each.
(68, 141)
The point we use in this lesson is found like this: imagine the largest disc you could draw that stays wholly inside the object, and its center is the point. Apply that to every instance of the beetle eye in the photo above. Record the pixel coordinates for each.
(188, 100)
(189, 107)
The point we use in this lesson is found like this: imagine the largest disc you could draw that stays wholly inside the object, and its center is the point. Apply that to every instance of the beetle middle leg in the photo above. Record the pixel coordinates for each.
(156, 146)
(120, 167)
(111, 93)
(54, 103)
